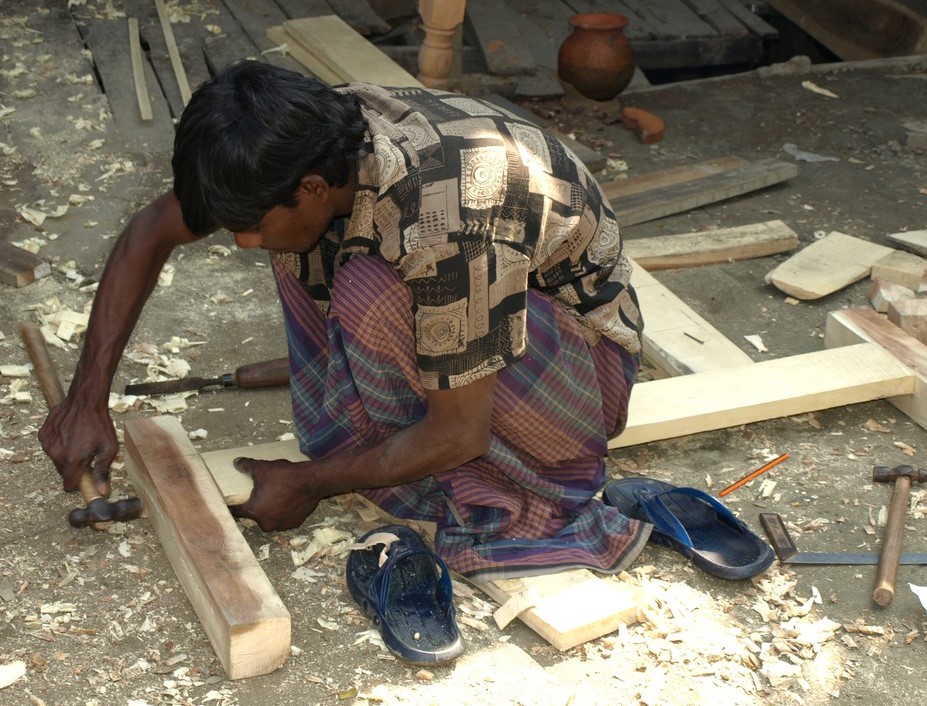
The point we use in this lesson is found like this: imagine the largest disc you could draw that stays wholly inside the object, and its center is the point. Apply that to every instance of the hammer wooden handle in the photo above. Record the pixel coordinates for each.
(891, 545)
(54, 394)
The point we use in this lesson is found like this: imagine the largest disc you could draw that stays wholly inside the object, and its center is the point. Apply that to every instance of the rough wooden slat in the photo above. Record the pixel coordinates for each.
(826, 266)
(254, 17)
(19, 267)
(719, 399)
(176, 64)
(663, 252)
(677, 340)
(245, 620)
(851, 326)
(671, 176)
(138, 71)
(650, 205)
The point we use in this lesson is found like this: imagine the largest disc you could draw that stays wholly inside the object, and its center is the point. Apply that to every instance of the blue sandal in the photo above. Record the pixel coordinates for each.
(693, 523)
(406, 590)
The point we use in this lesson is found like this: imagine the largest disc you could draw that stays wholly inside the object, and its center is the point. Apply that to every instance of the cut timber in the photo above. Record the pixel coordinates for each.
(671, 176)
(138, 71)
(245, 620)
(676, 339)
(336, 53)
(904, 268)
(690, 404)
(910, 315)
(882, 293)
(569, 607)
(826, 266)
(859, 29)
(850, 326)
(19, 267)
(684, 196)
(664, 252)
(182, 84)
(913, 240)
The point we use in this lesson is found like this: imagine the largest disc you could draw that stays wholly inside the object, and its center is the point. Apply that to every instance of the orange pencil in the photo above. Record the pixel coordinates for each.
(758, 472)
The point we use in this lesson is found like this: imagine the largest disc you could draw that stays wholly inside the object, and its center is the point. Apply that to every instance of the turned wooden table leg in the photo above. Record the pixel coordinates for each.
(441, 18)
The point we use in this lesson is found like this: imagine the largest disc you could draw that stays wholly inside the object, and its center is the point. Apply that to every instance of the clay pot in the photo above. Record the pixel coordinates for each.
(597, 59)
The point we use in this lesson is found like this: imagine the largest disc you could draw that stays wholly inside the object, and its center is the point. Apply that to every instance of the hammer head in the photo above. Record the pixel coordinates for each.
(100, 510)
(884, 474)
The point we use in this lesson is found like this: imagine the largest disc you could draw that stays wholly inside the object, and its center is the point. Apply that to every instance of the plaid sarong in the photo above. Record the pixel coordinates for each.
(528, 506)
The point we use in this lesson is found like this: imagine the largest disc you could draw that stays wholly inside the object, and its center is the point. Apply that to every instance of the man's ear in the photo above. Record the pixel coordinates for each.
(315, 186)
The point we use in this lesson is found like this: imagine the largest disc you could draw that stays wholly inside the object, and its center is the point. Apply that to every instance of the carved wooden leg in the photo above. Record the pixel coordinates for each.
(441, 18)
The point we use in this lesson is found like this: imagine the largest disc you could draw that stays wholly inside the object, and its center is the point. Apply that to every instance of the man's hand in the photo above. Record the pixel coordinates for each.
(283, 495)
(79, 440)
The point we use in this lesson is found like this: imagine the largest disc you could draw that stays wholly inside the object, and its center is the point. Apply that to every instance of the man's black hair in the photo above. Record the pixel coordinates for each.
(248, 137)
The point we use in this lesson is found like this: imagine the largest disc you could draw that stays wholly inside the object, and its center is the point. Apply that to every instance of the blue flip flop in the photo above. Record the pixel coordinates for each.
(693, 523)
(406, 590)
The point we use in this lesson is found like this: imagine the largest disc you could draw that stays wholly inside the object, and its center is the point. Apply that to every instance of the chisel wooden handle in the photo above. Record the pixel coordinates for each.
(54, 394)
(267, 373)
(891, 544)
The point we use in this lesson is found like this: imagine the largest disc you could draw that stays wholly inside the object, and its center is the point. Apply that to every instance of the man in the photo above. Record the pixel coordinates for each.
(462, 335)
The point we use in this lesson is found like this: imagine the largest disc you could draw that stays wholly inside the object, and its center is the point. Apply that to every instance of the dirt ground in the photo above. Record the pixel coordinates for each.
(99, 618)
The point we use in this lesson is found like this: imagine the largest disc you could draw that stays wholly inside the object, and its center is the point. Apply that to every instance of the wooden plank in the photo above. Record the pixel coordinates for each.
(671, 176)
(19, 267)
(138, 71)
(648, 206)
(244, 618)
(851, 326)
(904, 268)
(320, 69)
(567, 608)
(337, 49)
(497, 31)
(859, 29)
(753, 21)
(109, 48)
(676, 339)
(179, 74)
(914, 241)
(254, 17)
(826, 266)
(359, 15)
(663, 252)
(718, 399)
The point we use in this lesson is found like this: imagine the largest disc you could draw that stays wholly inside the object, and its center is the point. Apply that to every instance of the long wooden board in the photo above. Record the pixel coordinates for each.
(567, 608)
(663, 252)
(244, 618)
(719, 399)
(850, 326)
(657, 203)
(329, 46)
(677, 340)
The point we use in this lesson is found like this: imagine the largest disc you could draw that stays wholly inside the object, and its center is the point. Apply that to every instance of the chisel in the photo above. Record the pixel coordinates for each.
(267, 373)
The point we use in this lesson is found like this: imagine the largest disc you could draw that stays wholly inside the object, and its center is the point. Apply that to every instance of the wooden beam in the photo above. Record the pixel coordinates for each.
(138, 71)
(244, 618)
(334, 52)
(850, 326)
(676, 339)
(676, 198)
(718, 399)
(19, 267)
(663, 252)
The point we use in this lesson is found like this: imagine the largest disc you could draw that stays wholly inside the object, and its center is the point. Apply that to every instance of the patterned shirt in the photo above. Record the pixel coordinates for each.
(474, 206)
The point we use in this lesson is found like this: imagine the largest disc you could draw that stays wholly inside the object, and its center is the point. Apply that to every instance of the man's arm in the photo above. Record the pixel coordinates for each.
(454, 430)
(78, 434)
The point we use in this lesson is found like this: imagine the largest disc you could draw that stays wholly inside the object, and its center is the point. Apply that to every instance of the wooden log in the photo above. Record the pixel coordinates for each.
(664, 252)
(244, 618)
(850, 326)
(826, 266)
(718, 399)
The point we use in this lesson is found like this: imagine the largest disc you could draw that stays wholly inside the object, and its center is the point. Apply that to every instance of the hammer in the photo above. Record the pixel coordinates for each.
(894, 527)
(100, 513)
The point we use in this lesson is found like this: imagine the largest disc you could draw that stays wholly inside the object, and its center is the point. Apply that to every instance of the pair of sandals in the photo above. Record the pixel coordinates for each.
(406, 590)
